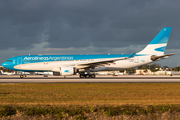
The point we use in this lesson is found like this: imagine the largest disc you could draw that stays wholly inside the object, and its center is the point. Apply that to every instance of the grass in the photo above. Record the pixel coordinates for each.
(91, 93)
(85, 100)
(81, 111)
(7, 111)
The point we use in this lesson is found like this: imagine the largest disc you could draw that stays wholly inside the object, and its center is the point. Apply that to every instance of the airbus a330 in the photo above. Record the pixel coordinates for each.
(65, 65)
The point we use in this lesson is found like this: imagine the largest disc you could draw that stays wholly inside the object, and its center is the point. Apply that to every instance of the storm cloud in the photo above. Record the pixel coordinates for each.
(79, 26)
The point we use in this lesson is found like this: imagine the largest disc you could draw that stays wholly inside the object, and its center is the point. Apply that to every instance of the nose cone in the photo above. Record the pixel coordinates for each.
(5, 65)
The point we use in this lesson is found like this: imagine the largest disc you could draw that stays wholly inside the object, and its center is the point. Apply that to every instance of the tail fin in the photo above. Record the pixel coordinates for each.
(158, 45)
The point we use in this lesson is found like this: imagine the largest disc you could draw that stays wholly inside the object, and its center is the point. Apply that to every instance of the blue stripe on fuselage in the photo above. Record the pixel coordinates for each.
(26, 59)
(49, 58)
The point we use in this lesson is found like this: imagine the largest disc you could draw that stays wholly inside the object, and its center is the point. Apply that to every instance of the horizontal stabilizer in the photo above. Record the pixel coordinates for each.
(155, 58)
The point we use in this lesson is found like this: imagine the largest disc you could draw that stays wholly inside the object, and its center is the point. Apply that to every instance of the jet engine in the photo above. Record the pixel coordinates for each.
(65, 71)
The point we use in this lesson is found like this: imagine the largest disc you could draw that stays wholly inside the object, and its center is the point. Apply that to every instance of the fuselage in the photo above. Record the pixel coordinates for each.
(48, 62)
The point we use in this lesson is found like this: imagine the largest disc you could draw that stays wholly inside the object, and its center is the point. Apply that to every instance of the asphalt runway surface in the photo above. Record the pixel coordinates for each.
(98, 79)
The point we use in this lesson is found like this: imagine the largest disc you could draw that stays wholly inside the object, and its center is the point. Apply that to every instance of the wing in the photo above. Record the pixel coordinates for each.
(93, 64)
(155, 58)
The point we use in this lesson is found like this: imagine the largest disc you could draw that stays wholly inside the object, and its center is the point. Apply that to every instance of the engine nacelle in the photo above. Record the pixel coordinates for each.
(65, 71)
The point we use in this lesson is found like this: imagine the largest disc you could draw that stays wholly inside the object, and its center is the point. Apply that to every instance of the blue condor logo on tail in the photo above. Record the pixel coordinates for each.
(161, 49)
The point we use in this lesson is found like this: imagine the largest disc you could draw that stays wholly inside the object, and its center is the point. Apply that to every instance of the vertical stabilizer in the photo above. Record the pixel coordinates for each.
(158, 45)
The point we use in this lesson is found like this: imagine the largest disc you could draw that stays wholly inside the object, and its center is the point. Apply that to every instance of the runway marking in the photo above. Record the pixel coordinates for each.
(98, 79)
(62, 81)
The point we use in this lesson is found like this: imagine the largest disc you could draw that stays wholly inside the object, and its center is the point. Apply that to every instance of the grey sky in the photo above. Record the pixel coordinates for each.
(86, 26)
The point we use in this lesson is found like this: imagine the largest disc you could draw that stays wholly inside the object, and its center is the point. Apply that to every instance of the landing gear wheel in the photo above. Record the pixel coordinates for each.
(81, 76)
(93, 76)
(45, 75)
(21, 76)
(87, 76)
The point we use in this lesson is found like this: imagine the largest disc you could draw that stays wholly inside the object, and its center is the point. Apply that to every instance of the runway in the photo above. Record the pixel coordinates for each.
(98, 79)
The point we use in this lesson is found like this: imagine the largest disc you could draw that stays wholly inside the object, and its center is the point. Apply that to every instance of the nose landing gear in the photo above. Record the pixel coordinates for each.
(22, 76)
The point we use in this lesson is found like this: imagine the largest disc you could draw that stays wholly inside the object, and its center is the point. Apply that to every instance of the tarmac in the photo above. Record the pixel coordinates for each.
(98, 79)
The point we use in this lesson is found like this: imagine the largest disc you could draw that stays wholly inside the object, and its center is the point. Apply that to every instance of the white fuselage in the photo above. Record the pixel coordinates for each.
(118, 65)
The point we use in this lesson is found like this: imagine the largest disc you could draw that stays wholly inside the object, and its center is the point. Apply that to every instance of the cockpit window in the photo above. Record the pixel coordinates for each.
(9, 60)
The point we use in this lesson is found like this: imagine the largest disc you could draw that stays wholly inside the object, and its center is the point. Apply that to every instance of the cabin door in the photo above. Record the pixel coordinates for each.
(136, 60)
(19, 60)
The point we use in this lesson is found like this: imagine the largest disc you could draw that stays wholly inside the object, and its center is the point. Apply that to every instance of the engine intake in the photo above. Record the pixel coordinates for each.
(56, 73)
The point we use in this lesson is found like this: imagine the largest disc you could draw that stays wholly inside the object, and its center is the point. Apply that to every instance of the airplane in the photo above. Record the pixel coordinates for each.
(66, 65)
(7, 73)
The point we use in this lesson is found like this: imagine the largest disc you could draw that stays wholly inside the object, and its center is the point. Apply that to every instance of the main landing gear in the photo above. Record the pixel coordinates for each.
(87, 75)
(45, 75)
